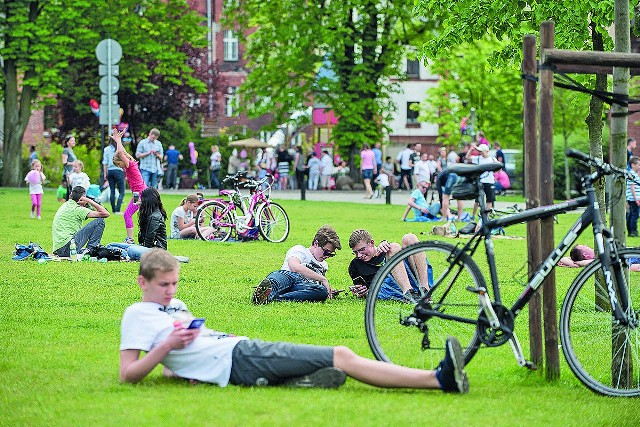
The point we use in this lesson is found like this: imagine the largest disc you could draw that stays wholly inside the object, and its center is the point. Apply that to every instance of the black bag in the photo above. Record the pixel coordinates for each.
(465, 190)
(111, 254)
(469, 228)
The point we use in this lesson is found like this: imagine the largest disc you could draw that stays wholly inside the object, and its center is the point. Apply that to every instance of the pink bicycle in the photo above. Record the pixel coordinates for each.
(243, 216)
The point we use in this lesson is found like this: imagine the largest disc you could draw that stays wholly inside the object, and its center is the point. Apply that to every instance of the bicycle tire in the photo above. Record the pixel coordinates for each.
(273, 222)
(214, 214)
(392, 342)
(590, 339)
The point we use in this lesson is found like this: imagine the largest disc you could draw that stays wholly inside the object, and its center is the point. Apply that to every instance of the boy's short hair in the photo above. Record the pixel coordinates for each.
(155, 260)
(77, 192)
(359, 235)
(633, 160)
(326, 234)
(155, 132)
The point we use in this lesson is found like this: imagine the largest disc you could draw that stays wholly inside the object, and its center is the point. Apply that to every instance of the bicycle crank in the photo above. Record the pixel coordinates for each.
(496, 335)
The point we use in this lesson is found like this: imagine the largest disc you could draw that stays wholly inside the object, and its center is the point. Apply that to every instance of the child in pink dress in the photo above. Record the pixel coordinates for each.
(124, 160)
(35, 178)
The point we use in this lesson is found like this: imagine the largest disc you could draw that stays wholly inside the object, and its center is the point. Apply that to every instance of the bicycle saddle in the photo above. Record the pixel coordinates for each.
(464, 169)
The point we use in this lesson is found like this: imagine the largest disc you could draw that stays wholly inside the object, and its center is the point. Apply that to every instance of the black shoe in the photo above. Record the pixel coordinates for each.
(322, 378)
(450, 372)
(261, 294)
(411, 296)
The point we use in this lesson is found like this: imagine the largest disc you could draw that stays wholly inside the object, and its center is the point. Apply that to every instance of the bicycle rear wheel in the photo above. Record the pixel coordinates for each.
(273, 222)
(393, 342)
(215, 215)
(603, 355)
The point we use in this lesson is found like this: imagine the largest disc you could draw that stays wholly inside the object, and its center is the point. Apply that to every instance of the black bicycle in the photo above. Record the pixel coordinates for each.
(599, 317)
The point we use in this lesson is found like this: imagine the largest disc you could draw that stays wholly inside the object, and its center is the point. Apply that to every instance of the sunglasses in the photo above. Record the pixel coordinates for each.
(328, 253)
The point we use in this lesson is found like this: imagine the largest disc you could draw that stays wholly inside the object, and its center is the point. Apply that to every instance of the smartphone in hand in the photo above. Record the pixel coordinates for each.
(360, 281)
(196, 323)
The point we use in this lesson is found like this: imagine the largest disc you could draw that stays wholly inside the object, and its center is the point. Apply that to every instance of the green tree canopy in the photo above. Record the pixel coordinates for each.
(468, 80)
(362, 40)
(48, 50)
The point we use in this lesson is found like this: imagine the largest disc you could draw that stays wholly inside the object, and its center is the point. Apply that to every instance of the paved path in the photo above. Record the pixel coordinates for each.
(398, 198)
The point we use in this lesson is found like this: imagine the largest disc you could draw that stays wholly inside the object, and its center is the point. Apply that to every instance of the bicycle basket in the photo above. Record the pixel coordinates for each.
(465, 190)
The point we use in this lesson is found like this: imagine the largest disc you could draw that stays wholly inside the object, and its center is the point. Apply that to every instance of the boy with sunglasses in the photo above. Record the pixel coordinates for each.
(406, 282)
(302, 275)
(160, 330)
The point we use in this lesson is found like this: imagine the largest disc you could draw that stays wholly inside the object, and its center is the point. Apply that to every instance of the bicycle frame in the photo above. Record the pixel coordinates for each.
(257, 198)
(591, 216)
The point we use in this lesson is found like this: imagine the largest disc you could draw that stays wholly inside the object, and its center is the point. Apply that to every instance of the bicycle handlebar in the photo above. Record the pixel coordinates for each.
(602, 167)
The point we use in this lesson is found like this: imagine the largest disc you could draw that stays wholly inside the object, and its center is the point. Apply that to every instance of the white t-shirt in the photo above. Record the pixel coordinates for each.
(208, 358)
(404, 157)
(486, 177)
(79, 179)
(179, 212)
(422, 171)
(382, 180)
(306, 259)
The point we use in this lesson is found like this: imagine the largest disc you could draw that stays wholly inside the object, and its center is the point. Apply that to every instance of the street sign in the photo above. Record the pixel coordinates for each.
(109, 85)
(109, 111)
(109, 52)
(108, 99)
(103, 70)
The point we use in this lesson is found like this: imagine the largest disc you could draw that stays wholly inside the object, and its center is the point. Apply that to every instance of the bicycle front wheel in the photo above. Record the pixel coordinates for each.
(273, 222)
(391, 341)
(214, 222)
(603, 355)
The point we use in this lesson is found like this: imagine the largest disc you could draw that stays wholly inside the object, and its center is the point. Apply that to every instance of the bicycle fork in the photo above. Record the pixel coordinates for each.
(486, 307)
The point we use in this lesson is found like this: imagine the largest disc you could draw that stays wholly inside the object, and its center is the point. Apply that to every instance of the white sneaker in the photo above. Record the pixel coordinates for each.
(39, 217)
(33, 214)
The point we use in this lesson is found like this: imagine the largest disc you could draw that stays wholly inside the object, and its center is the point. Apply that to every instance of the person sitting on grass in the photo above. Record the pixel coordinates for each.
(183, 223)
(151, 225)
(67, 223)
(407, 281)
(418, 203)
(158, 326)
(302, 275)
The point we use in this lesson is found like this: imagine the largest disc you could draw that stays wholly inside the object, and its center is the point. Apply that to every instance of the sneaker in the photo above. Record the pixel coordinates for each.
(450, 372)
(261, 294)
(39, 217)
(22, 252)
(329, 377)
(129, 241)
(41, 255)
(411, 296)
(33, 214)
(184, 259)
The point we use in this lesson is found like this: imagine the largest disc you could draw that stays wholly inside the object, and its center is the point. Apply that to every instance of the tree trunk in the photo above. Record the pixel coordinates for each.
(16, 116)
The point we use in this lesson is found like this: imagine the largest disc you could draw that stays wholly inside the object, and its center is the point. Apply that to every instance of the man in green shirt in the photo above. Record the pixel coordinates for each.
(67, 223)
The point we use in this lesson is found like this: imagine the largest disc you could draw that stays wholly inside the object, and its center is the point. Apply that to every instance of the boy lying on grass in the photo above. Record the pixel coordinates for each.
(158, 326)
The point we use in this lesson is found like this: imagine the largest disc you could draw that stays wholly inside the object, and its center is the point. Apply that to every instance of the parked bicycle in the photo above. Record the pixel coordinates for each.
(599, 317)
(244, 216)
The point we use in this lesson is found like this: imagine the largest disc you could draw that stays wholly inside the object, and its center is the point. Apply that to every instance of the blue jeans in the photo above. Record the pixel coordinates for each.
(89, 235)
(149, 178)
(116, 180)
(134, 251)
(215, 179)
(632, 217)
(290, 286)
(390, 290)
(171, 175)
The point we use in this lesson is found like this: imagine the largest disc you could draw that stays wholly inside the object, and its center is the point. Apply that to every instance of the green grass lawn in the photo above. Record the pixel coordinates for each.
(60, 335)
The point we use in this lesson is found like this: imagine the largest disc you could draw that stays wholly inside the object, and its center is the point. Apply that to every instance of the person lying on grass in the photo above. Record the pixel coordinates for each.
(158, 324)
(582, 255)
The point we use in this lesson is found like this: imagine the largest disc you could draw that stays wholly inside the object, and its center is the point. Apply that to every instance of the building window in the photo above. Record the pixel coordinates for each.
(230, 46)
(413, 68)
(230, 102)
(412, 115)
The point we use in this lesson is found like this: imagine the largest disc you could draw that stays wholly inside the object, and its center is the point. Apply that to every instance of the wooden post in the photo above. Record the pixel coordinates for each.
(387, 194)
(532, 190)
(552, 365)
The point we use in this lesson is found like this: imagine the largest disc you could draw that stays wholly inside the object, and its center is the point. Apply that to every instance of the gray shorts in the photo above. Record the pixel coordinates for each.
(257, 362)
